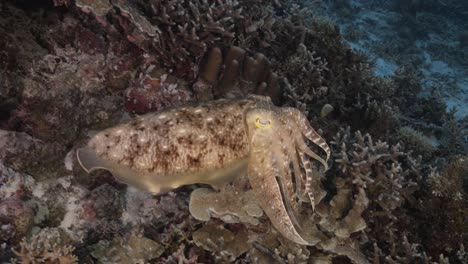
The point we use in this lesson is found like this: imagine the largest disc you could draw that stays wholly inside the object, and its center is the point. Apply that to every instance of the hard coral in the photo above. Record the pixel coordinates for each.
(389, 178)
(306, 74)
(449, 183)
(178, 32)
(236, 75)
(416, 141)
(375, 167)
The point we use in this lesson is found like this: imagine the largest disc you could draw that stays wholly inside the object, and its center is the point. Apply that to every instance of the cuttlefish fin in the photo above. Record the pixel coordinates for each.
(267, 190)
(157, 182)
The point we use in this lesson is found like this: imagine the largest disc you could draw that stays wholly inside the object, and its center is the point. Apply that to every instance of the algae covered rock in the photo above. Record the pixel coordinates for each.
(229, 205)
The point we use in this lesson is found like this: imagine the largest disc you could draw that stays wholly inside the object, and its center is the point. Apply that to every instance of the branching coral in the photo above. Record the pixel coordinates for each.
(185, 29)
(416, 141)
(306, 73)
(388, 176)
(376, 167)
(449, 184)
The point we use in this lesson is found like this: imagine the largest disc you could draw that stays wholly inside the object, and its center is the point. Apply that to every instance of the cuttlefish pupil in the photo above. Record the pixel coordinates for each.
(183, 146)
(262, 123)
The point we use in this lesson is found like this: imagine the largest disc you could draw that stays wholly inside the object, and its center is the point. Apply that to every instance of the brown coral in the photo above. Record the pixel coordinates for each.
(236, 75)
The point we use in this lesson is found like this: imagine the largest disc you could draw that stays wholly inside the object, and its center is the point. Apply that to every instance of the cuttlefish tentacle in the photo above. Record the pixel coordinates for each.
(308, 184)
(290, 157)
(262, 177)
(309, 133)
(293, 155)
(284, 177)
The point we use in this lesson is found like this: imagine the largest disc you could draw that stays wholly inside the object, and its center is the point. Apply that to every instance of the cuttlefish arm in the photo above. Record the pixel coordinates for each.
(262, 174)
(158, 183)
(269, 175)
(308, 132)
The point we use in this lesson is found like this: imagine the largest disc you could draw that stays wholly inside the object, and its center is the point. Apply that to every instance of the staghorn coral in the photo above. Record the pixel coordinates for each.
(177, 32)
(375, 167)
(416, 141)
(185, 29)
(449, 184)
(306, 74)
(390, 178)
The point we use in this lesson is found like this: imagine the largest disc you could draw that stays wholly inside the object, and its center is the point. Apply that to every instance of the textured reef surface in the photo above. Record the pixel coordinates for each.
(396, 188)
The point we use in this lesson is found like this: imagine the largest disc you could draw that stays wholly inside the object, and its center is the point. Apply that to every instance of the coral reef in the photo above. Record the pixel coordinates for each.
(70, 68)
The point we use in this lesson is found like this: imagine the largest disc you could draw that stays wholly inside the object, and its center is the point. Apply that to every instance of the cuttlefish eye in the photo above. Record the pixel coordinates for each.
(262, 123)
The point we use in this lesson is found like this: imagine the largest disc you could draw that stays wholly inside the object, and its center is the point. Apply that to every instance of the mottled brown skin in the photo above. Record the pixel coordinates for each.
(213, 142)
(179, 140)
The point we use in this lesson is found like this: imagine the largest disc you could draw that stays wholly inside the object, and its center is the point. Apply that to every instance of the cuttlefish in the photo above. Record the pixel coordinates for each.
(213, 143)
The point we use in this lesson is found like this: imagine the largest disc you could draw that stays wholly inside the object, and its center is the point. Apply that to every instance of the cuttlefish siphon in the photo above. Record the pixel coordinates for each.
(212, 143)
